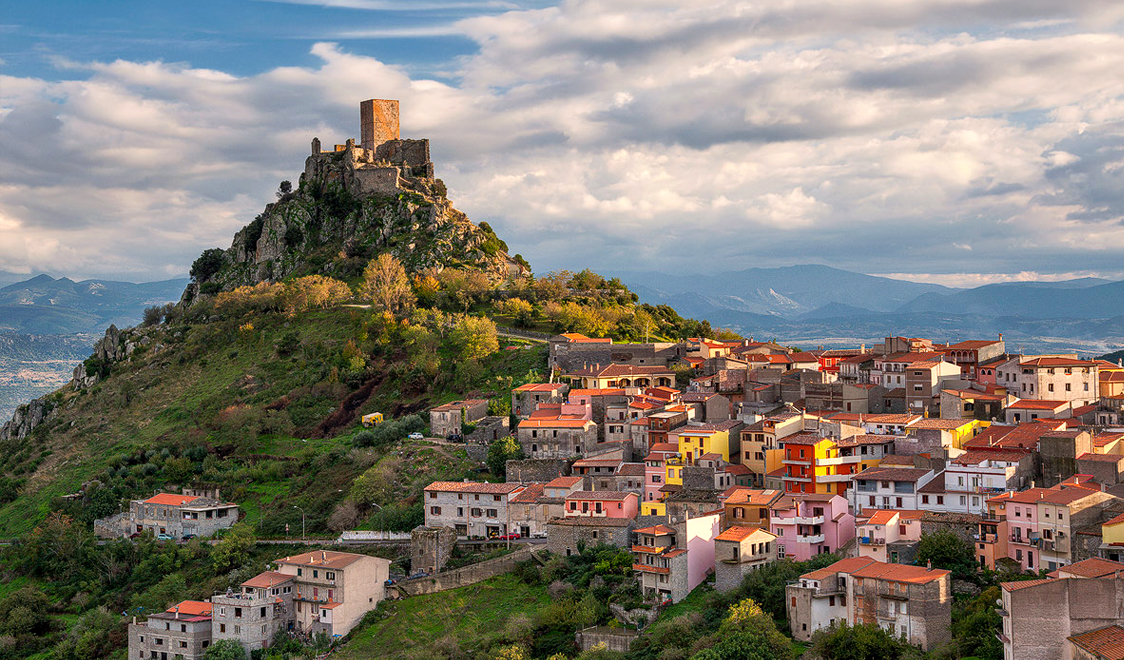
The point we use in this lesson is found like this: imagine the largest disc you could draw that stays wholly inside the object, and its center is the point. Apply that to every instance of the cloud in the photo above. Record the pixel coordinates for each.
(938, 136)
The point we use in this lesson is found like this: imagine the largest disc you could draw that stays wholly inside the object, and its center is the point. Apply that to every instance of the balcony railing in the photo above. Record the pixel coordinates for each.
(837, 478)
(872, 540)
(802, 520)
(810, 538)
(841, 460)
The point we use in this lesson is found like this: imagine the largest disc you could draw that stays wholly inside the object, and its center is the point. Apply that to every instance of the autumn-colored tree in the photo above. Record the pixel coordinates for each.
(385, 284)
(261, 297)
(313, 292)
(474, 337)
(521, 311)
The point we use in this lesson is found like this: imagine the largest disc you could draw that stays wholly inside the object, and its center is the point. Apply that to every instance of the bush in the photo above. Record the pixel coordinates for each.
(152, 315)
(208, 263)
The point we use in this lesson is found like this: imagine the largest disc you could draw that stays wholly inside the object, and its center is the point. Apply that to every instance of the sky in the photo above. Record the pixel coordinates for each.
(954, 141)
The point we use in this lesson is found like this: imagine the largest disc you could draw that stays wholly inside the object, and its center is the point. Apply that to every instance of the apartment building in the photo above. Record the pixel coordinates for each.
(991, 539)
(809, 524)
(740, 550)
(971, 478)
(923, 383)
(760, 448)
(888, 488)
(181, 631)
(1041, 522)
(1051, 377)
(475, 509)
(913, 602)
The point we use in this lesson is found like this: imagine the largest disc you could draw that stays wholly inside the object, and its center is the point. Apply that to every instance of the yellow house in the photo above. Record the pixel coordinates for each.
(1112, 538)
(694, 443)
(653, 509)
(958, 431)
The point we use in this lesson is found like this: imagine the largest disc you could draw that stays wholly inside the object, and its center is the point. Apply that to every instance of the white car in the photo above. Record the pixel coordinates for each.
(416, 436)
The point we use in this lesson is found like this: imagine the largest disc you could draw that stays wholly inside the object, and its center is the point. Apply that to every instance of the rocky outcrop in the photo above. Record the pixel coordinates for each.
(26, 418)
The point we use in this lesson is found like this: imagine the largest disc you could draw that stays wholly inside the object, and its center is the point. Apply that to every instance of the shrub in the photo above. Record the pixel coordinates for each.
(208, 263)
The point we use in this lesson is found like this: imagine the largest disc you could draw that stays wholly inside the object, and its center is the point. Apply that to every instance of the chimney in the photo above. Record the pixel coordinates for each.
(929, 565)
(1000, 336)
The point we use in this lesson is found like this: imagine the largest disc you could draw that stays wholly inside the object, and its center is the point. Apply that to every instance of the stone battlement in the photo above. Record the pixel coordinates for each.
(382, 164)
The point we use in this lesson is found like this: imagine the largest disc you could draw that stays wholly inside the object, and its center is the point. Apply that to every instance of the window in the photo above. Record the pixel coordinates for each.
(315, 573)
(222, 627)
(940, 499)
(924, 499)
(435, 510)
(432, 495)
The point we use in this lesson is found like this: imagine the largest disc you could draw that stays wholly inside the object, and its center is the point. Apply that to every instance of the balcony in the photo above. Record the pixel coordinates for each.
(810, 538)
(806, 480)
(645, 568)
(802, 520)
(993, 518)
(986, 538)
(797, 461)
(842, 460)
(834, 478)
(872, 540)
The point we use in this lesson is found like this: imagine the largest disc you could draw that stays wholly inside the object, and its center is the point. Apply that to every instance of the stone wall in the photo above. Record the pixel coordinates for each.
(566, 535)
(537, 470)
(468, 575)
(614, 639)
(964, 525)
(431, 547)
(378, 122)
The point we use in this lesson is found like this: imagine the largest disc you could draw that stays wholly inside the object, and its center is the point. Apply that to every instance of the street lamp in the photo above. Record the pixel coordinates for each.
(302, 522)
(380, 520)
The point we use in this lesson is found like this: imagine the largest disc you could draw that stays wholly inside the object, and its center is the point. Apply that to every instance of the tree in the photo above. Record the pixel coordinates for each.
(748, 633)
(225, 649)
(152, 315)
(858, 642)
(313, 292)
(474, 337)
(500, 452)
(385, 284)
(948, 551)
(208, 263)
(234, 549)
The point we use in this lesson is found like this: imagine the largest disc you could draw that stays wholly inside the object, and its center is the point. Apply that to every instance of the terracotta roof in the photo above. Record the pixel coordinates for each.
(1093, 567)
(895, 419)
(803, 439)
(972, 344)
(597, 391)
(267, 579)
(1043, 362)
(1101, 458)
(1115, 521)
(944, 424)
(170, 499)
(883, 517)
(539, 387)
(848, 565)
(472, 487)
(529, 494)
(598, 462)
(865, 439)
(615, 370)
(658, 530)
(562, 482)
(977, 456)
(1103, 643)
(191, 607)
(457, 405)
(892, 474)
(325, 558)
(551, 423)
(901, 573)
(1021, 584)
(614, 495)
(752, 496)
(737, 469)
(739, 534)
(643, 421)
(1037, 404)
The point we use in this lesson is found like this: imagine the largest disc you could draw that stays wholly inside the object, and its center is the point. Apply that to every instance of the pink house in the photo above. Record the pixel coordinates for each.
(602, 504)
(655, 469)
(808, 524)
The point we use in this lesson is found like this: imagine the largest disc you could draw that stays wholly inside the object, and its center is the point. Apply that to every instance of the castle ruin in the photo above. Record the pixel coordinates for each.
(382, 164)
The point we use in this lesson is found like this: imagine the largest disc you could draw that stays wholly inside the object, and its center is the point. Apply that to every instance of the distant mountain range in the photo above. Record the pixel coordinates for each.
(825, 305)
(48, 325)
(45, 305)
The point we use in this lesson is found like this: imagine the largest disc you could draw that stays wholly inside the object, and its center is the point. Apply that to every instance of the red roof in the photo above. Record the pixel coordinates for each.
(1103, 643)
(901, 573)
(1044, 362)
(739, 534)
(472, 487)
(848, 565)
(267, 579)
(191, 607)
(658, 530)
(170, 499)
(1038, 404)
(539, 387)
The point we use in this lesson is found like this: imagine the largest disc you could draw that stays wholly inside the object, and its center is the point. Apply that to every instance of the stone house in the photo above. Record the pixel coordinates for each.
(489, 429)
(1040, 615)
(181, 631)
(252, 615)
(1058, 451)
(913, 602)
(1028, 410)
(558, 430)
(623, 375)
(525, 398)
(450, 418)
(333, 590)
(671, 560)
(738, 551)
(1051, 378)
(566, 536)
(709, 406)
(923, 383)
(170, 514)
(474, 509)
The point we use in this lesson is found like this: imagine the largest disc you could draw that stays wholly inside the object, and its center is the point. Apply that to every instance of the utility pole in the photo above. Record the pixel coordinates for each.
(380, 520)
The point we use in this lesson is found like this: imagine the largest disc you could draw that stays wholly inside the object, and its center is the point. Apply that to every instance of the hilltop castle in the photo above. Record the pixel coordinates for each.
(382, 164)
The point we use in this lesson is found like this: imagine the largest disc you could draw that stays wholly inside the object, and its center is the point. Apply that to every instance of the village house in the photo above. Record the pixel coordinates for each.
(810, 524)
(181, 631)
(913, 602)
(889, 370)
(670, 561)
(252, 615)
(525, 398)
(969, 354)
(760, 449)
(622, 375)
(602, 504)
(961, 403)
(991, 539)
(740, 550)
(656, 475)
(1051, 378)
(923, 382)
(1028, 410)
(889, 536)
(558, 430)
(170, 515)
(474, 509)
(970, 478)
(450, 418)
(748, 507)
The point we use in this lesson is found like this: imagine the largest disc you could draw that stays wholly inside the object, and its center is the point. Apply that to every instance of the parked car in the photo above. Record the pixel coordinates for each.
(416, 436)
(188, 537)
(419, 574)
(514, 536)
(164, 537)
(455, 437)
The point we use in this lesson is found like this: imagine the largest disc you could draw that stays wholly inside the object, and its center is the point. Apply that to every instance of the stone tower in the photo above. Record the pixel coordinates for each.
(378, 122)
